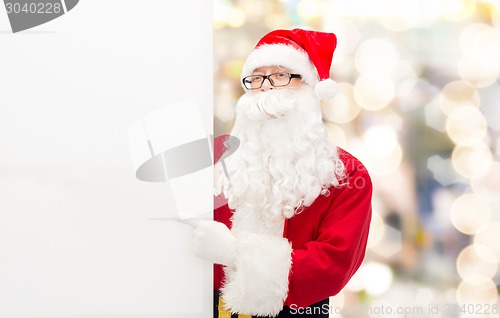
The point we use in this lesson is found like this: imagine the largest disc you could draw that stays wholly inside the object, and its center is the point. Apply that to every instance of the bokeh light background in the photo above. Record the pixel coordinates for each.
(420, 106)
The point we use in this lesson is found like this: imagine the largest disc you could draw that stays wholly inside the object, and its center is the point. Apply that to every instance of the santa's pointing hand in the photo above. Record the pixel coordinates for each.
(213, 241)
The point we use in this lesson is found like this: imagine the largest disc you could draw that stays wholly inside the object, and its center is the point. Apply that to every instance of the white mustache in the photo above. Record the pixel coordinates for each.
(267, 105)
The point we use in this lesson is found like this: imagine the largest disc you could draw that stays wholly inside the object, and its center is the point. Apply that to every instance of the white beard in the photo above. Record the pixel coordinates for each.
(284, 161)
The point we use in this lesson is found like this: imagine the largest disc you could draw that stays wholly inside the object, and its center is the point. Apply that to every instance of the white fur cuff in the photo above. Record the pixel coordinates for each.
(258, 284)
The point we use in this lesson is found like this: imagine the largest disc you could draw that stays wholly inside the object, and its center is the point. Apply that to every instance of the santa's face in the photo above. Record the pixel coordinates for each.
(271, 102)
(271, 93)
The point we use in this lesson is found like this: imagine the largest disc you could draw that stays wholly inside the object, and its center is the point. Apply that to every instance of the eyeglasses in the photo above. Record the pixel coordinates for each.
(276, 80)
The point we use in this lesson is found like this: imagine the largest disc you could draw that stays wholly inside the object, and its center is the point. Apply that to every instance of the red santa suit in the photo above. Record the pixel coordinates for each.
(296, 259)
(321, 248)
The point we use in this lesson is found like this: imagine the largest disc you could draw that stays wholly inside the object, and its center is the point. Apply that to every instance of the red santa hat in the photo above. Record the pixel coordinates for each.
(308, 53)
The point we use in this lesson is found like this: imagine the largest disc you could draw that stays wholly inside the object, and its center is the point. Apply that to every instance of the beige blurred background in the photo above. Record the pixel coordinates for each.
(419, 106)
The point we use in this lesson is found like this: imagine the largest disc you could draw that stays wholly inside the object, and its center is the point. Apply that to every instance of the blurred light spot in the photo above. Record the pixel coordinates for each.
(336, 135)
(471, 267)
(394, 120)
(494, 3)
(346, 29)
(356, 283)
(232, 69)
(390, 244)
(442, 170)
(472, 161)
(255, 10)
(489, 40)
(457, 10)
(479, 68)
(373, 277)
(361, 8)
(343, 65)
(485, 253)
(373, 91)
(220, 12)
(488, 236)
(430, 11)
(480, 36)
(450, 296)
(384, 153)
(310, 8)
(237, 18)
(376, 230)
(456, 94)
(276, 21)
(377, 278)
(413, 93)
(342, 108)
(478, 290)
(489, 107)
(224, 109)
(469, 212)
(434, 117)
(404, 70)
(469, 34)
(424, 295)
(381, 140)
(488, 186)
(376, 55)
(466, 125)
(402, 16)
(225, 14)
(241, 47)
(495, 16)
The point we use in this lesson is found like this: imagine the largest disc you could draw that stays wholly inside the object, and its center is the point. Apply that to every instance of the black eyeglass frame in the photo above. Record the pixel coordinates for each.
(264, 77)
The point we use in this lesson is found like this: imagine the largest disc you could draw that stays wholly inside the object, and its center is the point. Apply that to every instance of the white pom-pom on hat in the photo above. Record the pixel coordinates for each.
(326, 89)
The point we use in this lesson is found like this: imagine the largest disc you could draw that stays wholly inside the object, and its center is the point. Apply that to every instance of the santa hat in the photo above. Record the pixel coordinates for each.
(308, 53)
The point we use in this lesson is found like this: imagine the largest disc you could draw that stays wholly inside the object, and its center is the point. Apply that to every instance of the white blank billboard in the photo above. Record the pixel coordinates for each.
(76, 235)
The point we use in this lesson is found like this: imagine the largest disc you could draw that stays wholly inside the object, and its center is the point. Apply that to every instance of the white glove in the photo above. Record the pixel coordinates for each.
(213, 241)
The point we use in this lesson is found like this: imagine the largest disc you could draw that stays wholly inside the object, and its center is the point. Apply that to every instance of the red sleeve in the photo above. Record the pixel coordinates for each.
(324, 266)
(222, 213)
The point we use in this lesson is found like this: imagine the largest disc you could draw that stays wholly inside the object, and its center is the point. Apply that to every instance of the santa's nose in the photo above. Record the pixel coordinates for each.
(266, 85)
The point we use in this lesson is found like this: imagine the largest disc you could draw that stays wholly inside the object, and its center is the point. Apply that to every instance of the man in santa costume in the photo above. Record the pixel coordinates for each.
(294, 229)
